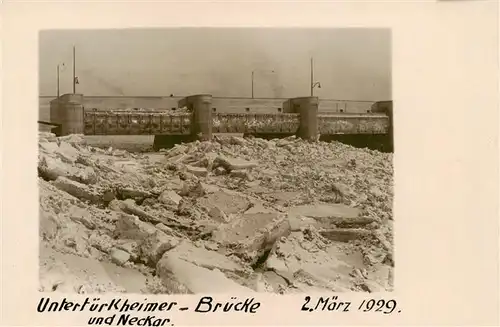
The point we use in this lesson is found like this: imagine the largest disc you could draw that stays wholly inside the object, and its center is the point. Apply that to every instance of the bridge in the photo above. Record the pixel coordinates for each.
(299, 116)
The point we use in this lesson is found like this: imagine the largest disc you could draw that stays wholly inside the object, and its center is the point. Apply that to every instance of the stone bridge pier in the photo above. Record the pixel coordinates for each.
(307, 108)
(67, 113)
(201, 125)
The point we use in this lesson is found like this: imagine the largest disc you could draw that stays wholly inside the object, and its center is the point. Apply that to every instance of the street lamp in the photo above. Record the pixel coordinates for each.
(60, 68)
(253, 74)
(318, 84)
(313, 83)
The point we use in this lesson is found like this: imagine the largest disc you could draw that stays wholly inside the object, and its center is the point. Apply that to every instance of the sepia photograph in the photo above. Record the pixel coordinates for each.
(215, 160)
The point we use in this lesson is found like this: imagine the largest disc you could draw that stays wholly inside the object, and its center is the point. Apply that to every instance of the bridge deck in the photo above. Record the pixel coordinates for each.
(168, 123)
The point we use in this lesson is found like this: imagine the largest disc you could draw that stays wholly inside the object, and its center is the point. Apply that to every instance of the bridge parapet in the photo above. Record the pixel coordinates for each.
(299, 117)
(168, 123)
(250, 123)
(137, 123)
(353, 124)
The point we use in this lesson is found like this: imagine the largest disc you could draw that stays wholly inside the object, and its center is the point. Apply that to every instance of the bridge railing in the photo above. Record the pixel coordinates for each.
(299, 116)
(137, 123)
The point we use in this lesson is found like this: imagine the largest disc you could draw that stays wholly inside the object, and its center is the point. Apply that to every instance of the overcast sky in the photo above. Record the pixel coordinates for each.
(350, 64)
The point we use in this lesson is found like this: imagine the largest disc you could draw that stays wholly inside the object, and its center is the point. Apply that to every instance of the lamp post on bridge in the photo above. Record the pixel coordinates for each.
(60, 67)
(313, 83)
(75, 78)
(253, 75)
